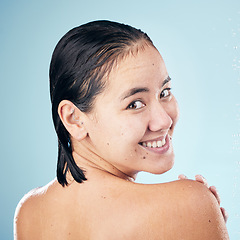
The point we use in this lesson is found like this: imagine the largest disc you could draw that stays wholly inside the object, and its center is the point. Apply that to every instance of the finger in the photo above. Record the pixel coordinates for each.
(182, 176)
(213, 189)
(224, 213)
(201, 179)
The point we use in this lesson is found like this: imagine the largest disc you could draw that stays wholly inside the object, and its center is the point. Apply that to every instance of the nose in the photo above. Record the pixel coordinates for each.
(160, 119)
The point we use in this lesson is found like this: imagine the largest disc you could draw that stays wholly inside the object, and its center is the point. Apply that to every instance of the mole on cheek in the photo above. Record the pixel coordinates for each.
(108, 144)
(144, 157)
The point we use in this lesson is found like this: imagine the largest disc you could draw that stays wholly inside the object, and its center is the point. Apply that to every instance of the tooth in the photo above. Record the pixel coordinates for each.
(154, 144)
(163, 142)
(144, 144)
(149, 144)
(159, 143)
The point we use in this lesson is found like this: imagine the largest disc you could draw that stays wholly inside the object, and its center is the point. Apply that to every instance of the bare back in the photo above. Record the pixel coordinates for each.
(116, 209)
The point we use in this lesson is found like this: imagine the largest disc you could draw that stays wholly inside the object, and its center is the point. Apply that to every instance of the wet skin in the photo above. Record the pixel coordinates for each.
(112, 144)
(136, 109)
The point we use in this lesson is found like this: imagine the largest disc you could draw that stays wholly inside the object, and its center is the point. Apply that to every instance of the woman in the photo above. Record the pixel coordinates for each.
(114, 115)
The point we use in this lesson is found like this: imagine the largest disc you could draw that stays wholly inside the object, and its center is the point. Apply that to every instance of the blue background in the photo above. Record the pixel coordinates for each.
(200, 42)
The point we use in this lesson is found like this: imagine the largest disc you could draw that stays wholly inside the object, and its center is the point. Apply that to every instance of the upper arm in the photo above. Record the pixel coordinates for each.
(184, 209)
(200, 211)
(24, 218)
(20, 220)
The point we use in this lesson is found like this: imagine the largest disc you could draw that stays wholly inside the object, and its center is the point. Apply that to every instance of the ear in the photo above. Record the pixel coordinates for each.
(72, 119)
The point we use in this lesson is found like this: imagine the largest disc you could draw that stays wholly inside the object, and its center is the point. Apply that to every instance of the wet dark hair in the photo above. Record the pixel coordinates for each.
(81, 59)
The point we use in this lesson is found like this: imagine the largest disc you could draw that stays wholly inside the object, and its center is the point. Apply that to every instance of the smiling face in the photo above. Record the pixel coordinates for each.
(133, 120)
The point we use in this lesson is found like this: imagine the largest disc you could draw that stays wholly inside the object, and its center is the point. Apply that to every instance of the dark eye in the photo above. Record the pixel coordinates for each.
(165, 93)
(136, 105)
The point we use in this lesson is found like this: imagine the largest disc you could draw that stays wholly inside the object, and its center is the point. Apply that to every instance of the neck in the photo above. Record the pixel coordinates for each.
(89, 161)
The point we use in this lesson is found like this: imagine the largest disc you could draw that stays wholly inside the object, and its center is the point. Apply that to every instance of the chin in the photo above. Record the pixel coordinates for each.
(162, 167)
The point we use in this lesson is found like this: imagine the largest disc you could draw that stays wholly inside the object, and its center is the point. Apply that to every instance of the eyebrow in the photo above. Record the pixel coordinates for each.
(168, 79)
(133, 91)
(136, 90)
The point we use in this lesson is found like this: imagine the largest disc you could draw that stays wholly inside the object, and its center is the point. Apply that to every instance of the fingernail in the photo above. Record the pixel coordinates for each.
(214, 188)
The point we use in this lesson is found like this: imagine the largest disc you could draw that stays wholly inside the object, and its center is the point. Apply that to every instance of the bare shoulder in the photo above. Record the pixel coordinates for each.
(184, 209)
(27, 212)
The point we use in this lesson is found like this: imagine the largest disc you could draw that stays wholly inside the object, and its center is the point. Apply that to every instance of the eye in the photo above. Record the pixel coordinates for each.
(136, 105)
(165, 93)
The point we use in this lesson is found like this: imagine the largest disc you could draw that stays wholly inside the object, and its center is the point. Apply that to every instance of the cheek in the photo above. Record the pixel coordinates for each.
(121, 132)
(173, 110)
(111, 131)
(121, 140)
(136, 125)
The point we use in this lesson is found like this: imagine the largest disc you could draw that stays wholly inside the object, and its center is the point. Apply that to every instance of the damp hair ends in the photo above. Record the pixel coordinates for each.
(80, 60)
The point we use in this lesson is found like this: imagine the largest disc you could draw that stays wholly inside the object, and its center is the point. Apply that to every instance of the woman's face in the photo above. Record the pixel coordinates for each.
(133, 119)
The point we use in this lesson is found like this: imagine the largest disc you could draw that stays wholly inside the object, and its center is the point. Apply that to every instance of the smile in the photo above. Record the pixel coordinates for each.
(154, 144)
(159, 146)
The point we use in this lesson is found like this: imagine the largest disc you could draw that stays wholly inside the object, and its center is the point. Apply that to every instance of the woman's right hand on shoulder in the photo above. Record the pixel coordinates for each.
(213, 189)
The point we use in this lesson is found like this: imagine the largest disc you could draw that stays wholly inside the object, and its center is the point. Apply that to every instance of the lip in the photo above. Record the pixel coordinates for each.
(159, 150)
(156, 139)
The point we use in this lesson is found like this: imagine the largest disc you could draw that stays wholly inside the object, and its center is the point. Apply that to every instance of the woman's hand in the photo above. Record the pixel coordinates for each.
(213, 189)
